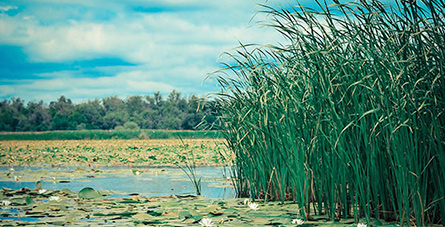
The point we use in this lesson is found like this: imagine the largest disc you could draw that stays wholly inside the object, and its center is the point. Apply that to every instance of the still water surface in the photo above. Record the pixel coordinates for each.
(159, 182)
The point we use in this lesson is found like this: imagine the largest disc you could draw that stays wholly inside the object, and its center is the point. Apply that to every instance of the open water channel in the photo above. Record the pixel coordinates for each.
(122, 182)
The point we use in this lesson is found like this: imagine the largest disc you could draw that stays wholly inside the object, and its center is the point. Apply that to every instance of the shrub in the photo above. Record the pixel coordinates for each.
(129, 125)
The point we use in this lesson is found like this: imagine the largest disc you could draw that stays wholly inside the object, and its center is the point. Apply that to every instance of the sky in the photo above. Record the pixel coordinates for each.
(87, 49)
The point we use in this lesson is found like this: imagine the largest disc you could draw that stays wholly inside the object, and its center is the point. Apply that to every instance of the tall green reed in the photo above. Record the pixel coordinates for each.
(348, 116)
(188, 165)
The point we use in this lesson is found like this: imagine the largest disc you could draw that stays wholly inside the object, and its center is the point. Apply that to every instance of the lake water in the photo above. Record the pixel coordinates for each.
(151, 183)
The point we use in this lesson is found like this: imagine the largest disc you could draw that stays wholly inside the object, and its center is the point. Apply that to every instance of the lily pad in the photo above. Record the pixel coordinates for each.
(88, 193)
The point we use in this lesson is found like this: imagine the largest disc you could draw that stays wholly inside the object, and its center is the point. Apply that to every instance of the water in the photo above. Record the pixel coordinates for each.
(168, 181)
(19, 218)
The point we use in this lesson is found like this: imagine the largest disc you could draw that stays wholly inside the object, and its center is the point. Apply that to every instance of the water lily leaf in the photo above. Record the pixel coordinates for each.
(260, 221)
(123, 214)
(170, 214)
(193, 212)
(185, 214)
(40, 208)
(195, 215)
(189, 221)
(153, 222)
(57, 222)
(171, 204)
(231, 210)
(216, 213)
(28, 200)
(88, 193)
(67, 191)
(209, 209)
(130, 201)
(126, 214)
(142, 216)
(187, 196)
(154, 213)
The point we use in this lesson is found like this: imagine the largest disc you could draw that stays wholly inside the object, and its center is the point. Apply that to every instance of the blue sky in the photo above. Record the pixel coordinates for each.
(93, 49)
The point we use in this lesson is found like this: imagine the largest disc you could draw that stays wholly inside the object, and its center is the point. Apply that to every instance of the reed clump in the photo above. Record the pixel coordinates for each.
(347, 118)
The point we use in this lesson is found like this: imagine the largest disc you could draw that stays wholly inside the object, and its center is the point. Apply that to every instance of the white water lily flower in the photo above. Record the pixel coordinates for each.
(137, 173)
(41, 191)
(6, 203)
(253, 206)
(54, 198)
(246, 201)
(361, 225)
(298, 221)
(206, 222)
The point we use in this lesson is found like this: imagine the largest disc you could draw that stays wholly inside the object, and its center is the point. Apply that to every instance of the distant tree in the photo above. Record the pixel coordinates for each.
(115, 118)
(154, 113)
(37, 117)
(12, 112)
(194, 114)
(92, 112)
(173, 111)
(60, 110)
(112, 104)
(62, 106)
(135, 105)
(147, 112)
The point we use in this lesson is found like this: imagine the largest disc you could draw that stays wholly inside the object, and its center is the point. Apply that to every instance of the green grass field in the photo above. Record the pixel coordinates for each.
(108, 134)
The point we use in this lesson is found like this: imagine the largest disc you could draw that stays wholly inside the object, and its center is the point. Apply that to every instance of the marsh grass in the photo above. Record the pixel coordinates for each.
(347, 118)
(108, 134)
(187, 164)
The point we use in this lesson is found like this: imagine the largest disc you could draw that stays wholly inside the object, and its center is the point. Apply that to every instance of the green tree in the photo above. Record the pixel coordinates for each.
(154, 112)
(172, 113)
(36, 118)
(12, 113)
(136, 107)
(60, 110)
(113, 103)
(115, 118)
(194, 114)
(92, 112)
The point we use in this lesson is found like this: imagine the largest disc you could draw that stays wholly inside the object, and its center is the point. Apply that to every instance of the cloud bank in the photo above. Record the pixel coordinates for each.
(94, 49)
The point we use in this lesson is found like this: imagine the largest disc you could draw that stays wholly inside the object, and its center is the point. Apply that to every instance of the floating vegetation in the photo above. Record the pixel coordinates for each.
(28, 207)
(94, 153)
(88, 193)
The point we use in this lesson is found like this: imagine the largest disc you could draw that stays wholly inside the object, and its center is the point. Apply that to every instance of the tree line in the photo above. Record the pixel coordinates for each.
(135, 112)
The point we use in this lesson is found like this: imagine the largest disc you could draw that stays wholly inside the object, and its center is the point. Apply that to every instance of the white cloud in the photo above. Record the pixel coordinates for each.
(171, 49)
(7, 8)
(6, 90)
(141, 38)
(79, 89)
